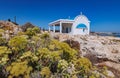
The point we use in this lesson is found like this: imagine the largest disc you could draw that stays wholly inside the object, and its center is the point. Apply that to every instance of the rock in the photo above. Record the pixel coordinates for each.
(9, 29)
(27, 25)
(102, 46)
(103, 50)
(110, 74)
(109, 64)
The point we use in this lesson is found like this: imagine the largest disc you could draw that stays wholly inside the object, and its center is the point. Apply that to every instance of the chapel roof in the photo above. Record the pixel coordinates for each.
(81, 16)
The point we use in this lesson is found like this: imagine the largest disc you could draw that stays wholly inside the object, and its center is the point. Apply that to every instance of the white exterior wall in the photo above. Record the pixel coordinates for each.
(80, 31)
(88, 28)
(66, 23)
(81, 19)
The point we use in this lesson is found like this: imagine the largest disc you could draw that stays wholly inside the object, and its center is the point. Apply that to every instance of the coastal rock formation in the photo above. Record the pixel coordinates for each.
(101, 50)
(106, 47)
(114, 67)
(9, 29)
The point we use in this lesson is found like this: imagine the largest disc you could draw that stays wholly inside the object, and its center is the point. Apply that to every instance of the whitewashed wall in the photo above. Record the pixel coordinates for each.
(81, 19)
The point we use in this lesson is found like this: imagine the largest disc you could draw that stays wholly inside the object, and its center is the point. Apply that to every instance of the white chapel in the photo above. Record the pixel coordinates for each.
(79, 25)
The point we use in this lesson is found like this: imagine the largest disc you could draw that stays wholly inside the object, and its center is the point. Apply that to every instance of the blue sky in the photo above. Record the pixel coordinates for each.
(103, 14)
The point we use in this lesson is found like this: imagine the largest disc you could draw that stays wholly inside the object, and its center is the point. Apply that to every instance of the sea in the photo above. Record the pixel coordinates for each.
(113, 34)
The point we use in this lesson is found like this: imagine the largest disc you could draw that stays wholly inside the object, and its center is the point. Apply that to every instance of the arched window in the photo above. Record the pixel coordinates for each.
(81, 26)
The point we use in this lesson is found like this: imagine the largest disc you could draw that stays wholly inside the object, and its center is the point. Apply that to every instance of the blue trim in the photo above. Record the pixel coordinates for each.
(83, 26)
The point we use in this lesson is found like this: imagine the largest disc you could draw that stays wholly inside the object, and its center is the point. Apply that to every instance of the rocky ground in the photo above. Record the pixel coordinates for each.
(101, 50)
(9, 29)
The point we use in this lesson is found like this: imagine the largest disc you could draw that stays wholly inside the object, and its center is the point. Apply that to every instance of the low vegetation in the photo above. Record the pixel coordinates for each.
(31, 54)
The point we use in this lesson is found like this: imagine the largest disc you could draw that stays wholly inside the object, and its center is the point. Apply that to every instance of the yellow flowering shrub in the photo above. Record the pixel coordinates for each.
(83, 65)
(1, 32)
(36, 29)
(29, 56)
(45, 35)
(37, 42)
(62, 65)
(92, 76)
(19, 68)
(54, 45)
(30, 32)
(3, 41)
(4, 51)
(20, 33)
(33, 55)
(55, 56)
(63, 49)
(45, 72)
(18, 43)
(43, 53)
(67, 52)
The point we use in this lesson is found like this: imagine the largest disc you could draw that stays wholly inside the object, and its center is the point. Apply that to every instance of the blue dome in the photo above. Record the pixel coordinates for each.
(83, 26)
